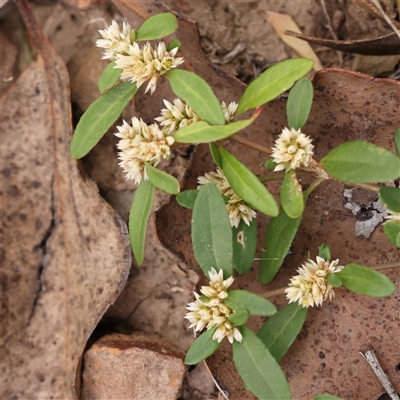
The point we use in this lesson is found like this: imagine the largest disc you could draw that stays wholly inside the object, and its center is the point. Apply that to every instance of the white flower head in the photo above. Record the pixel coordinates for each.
(393, 216)
(141, 143)
(210, 311)
(176, 115)
(236, 207)
(116, 41)
(310, 286)
(292, 149)
(229, 111)
(146, 64)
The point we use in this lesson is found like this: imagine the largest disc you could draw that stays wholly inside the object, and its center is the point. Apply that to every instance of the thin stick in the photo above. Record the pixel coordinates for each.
(385, 16)
(385, 266)
(215, 381)
(251, 144)
(328, 18)
(371, 359)
(274, 293)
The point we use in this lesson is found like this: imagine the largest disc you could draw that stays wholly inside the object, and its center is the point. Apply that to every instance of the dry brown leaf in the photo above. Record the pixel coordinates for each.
(284, 22)
(66, 254)
(347, 106)
(383, 45)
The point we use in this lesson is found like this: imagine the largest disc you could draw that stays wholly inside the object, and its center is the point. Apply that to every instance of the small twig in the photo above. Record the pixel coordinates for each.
(251, 144)
(370, 357)
(215, 381)
(385, 16)
(385, 266)
(275, 293)
(333, 33)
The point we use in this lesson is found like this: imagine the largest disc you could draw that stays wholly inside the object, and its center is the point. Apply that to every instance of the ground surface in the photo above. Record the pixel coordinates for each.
(154, 298)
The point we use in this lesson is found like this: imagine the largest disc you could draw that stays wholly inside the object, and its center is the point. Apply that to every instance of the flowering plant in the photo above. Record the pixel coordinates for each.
(226, 201)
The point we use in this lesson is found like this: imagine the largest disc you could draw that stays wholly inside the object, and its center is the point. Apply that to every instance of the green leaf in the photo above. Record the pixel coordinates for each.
(175, 43)
(215, 155)
(246, 185)
(211, 231)
(244, 300)
(239, 317)
(361, 162)
(260, 372)
(390, 197)
(162, 180)
(324, 252)
(202, 347)
(202, 132)
(140, 212)
(244, 240)
(157, 26)
(292, 195)
(270, 164)
(197, 94)
(397, 141)
(327, 396)
(363, 280)
(280, 233)
(280, 331)
(392, 231)
(187, 198)
(98, 118)
(109, 77)
(299, 103)
(334, 280)
(273, 82)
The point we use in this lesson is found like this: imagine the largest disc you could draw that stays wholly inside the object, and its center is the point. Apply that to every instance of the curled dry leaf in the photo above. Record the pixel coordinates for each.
(381, 46)
(324, 358)
(66, 253)
(283, 22)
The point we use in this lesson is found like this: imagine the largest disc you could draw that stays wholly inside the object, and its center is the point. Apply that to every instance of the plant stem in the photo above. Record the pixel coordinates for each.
(387, 265)
(271, 177)
(274, 293)
(313, 185)
(367, 186)
(251, 144)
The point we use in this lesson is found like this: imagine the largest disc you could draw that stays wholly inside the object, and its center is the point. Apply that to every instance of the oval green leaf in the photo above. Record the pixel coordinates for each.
(244, 240)
(246, 185)
(157, 26)
(280, 331)
(280, 233)
(259, 370)
(197, 93)
(138, 217)
(244, 300)
(334, 280)
(273, 82)
(98, 118)
(324, 252)
(109, 77)
(397, 141)
(215, 155)
(175, 43)
(361, 162)
(239, 317)
(202, 347)
(327, 396)
(162, 180)
(270, 164)
(292, 195)
(390, 197)
(363, 280)
(299, 103)
(202, 132)
(211, 232)
(392, 231)
(187, 198)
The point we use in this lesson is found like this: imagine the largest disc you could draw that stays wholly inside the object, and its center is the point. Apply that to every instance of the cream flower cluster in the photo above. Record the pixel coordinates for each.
(176, 115)
(229, 111)
(137, 64)
(141, 143)
(114, 41)
(236, 207)
(210, 311)
(310, 286)
(292, 149)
